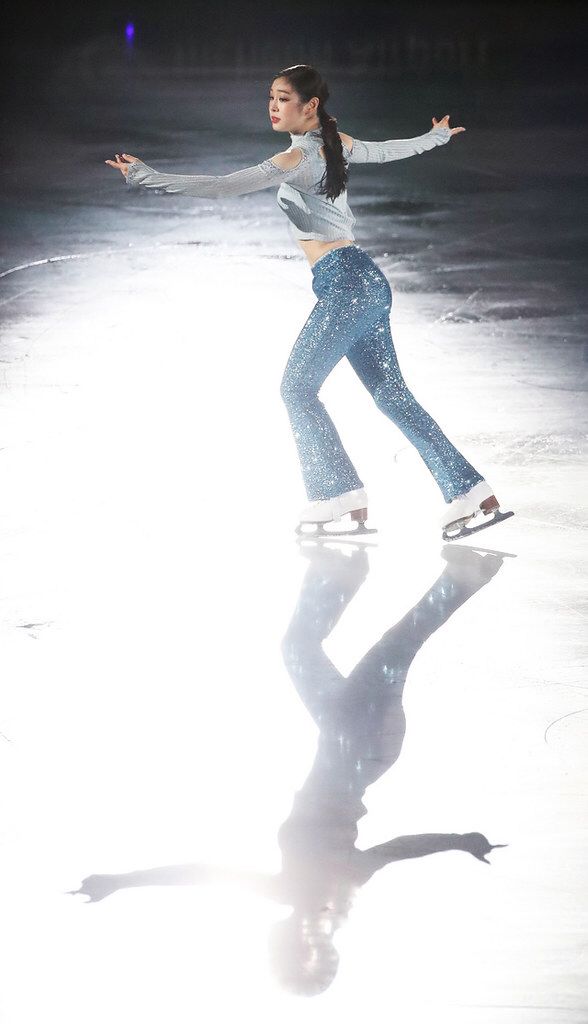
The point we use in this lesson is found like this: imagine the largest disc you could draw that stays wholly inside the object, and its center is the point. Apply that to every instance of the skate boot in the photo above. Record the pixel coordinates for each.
(479, 501)
(330, 510)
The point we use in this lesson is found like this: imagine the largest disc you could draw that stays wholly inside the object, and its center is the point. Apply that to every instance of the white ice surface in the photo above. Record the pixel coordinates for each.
(148, 574)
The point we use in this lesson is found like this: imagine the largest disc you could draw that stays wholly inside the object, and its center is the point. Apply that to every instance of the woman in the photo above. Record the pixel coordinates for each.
(352, 315)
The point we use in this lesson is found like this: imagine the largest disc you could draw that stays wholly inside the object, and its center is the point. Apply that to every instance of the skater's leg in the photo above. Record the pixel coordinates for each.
(347, 307)
(375, 361)
(331, 581)
(326, 467)
(375, 686)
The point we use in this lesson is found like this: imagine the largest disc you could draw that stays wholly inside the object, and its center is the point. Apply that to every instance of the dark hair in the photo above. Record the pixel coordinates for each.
(307, 82)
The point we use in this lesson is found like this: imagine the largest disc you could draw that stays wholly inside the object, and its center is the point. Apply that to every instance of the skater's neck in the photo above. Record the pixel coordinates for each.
(311, 131)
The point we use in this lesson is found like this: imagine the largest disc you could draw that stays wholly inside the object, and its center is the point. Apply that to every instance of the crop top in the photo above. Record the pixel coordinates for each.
(311, 215)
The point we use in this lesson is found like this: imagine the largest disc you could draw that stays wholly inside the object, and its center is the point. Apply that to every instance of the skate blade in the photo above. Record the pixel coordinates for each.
(320, 532)
(465, 531)
(490, 551)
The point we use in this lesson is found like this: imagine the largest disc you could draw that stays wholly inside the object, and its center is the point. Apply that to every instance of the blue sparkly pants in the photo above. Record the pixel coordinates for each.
(352, 318)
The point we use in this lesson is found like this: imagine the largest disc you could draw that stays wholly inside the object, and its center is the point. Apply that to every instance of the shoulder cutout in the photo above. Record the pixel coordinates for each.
(288, 160)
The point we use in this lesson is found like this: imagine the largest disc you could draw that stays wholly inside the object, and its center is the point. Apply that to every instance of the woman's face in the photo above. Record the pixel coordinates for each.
(286, 110)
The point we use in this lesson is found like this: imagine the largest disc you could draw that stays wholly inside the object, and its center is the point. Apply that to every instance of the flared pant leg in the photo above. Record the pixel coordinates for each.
(374, 360)
(335, 324)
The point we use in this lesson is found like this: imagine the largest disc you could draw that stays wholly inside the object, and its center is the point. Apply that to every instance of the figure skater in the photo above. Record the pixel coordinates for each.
(352, 315)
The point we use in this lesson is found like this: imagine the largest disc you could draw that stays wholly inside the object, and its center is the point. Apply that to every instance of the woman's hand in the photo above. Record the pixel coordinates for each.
(444, 123)
(121, 165)
(97, 887)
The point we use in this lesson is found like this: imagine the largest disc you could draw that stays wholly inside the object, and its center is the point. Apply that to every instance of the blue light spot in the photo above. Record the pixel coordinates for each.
(130, 30)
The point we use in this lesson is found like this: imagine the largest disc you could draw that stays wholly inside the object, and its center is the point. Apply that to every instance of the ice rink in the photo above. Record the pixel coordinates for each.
(293, 781)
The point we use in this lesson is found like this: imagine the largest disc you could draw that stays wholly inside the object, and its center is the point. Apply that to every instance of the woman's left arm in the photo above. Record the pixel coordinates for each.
(399, 149)
(273, 171)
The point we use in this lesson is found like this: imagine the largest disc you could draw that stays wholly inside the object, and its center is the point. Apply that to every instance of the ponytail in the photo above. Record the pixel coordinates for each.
(307, 82)
(334, 180)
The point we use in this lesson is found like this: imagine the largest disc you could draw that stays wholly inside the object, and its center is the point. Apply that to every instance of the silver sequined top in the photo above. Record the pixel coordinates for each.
(311, 215)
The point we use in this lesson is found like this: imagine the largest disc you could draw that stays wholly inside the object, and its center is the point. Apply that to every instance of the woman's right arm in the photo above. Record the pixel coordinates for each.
(273, 171)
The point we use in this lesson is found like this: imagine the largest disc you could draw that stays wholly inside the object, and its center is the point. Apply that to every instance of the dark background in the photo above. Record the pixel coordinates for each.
(542, 41)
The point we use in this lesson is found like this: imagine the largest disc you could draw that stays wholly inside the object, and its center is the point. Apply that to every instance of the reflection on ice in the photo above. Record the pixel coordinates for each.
(361, 730)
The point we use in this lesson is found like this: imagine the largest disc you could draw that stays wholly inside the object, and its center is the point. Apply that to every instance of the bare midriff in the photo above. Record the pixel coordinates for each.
(313, 249)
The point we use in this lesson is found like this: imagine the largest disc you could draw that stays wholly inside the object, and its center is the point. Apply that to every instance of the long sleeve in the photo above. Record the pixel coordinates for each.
(397, 149)
(213, 186)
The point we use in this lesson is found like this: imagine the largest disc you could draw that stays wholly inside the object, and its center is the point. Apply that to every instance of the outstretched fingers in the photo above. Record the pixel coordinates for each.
(123, 165)
(444, 123)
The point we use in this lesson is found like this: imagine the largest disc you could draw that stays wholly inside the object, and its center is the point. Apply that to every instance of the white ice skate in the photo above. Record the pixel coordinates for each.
(478, 502)
(330, 510)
